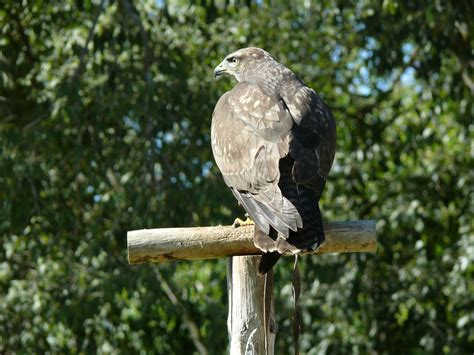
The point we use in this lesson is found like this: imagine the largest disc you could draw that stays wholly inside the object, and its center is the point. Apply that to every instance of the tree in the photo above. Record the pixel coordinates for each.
(105, 112)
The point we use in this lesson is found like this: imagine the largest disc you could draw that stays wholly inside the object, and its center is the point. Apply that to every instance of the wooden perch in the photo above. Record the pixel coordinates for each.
(168, 244)
(251, 323)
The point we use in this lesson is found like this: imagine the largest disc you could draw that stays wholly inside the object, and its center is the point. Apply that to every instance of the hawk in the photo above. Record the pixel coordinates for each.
(273, 139)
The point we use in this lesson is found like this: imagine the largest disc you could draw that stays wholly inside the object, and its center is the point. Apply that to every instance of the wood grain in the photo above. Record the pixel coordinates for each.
(170, 244)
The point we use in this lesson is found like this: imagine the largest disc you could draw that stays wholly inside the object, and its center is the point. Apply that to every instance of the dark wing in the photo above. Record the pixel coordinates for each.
(250, 134)
(313, 139)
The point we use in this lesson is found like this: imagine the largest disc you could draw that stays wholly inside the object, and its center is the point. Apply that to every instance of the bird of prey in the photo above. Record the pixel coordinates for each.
(273, 139)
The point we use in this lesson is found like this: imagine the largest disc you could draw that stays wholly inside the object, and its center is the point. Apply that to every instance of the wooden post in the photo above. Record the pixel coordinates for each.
(250, 321)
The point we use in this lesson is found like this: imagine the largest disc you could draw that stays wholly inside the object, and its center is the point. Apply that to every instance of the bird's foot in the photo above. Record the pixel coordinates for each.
(239, 223)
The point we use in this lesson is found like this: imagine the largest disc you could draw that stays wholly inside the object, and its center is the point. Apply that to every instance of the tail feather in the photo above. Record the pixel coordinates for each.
(264, 241)
(267, 261)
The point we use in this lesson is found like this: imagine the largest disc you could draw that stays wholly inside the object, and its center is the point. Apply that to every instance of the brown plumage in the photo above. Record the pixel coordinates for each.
(274, 139)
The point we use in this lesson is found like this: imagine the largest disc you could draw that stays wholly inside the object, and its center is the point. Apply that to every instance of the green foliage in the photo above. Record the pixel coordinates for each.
(105, 111)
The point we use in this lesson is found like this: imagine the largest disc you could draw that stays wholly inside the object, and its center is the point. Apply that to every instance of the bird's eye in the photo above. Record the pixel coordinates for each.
(232, 60)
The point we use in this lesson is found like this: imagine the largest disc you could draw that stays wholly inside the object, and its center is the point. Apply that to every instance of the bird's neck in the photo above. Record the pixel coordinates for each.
(268, 79)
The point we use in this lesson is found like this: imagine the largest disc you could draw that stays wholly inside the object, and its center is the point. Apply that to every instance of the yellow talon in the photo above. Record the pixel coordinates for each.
(239, 223)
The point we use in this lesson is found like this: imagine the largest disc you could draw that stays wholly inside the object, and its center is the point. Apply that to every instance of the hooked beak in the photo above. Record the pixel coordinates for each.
(220, 69)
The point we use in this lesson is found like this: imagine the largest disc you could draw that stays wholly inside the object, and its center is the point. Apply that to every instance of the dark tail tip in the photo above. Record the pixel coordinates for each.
(267, 261)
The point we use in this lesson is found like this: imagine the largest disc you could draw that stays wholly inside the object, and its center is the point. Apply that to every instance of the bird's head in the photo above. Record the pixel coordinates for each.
(243, 63)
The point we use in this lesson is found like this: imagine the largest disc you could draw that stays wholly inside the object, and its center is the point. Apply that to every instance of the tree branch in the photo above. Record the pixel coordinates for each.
(186, 316)
(80, 67)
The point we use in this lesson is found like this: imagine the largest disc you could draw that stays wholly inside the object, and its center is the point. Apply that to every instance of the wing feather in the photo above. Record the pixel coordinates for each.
(313, 139)
(250, 134)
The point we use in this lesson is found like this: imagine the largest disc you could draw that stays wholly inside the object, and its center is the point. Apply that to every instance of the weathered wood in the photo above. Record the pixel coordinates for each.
(250, 323)
(168, 244)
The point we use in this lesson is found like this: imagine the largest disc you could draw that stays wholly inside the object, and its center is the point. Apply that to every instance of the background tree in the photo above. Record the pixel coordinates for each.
(105, 111)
